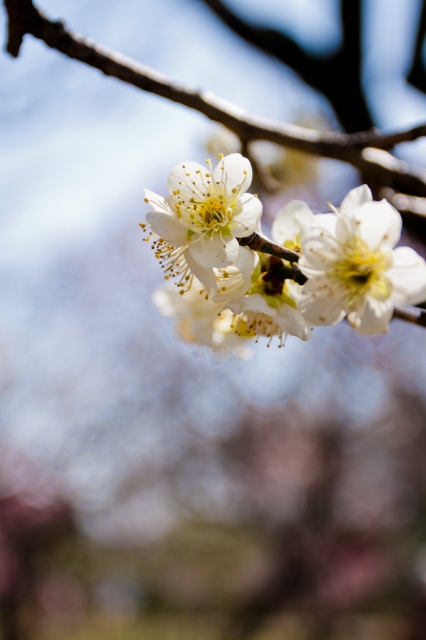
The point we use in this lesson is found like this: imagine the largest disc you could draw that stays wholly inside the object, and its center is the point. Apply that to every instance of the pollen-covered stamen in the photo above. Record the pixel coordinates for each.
(206, 206)
(171, 259)
(251, 324)
(362, 272)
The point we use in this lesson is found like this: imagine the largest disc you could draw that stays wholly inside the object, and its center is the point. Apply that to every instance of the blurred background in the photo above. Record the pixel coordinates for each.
(151, 490)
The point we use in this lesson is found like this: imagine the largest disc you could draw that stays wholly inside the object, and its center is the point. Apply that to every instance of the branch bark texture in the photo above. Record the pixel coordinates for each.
(365, 150)
(25, 18)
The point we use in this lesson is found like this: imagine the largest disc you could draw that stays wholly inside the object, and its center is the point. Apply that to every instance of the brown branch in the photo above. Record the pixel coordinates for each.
(270, 41)
(417, 73)
(25, 18)
(391, 170)
(411, 314)
(337, 76)
(259, 242)
(390, 140)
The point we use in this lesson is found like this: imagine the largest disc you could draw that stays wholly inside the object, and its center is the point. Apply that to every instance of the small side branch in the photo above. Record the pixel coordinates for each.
(258, 242)
(411, 314)
(21, 13)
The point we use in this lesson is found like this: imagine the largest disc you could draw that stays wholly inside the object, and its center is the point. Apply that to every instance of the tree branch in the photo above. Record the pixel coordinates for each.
(417, 73)
(25, 18)
(337, 76)
(411, 314)
(259, 242)
(272, 42)
(374, 163)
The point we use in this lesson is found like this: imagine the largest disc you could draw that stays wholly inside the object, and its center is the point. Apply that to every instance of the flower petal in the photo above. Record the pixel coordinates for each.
(319, 242)
(246, 262)
(205, 275)
(167, 301)
(408, 277)
(254, 302)
(322, 302)
(292, 322)
(379, 224)
(373, 316)
(355, 198)
(214, 251)
(307, 269)
(168, 227)
(246, 216)
(189, 178)
(233, 172)
(158, 202)
(290, 221)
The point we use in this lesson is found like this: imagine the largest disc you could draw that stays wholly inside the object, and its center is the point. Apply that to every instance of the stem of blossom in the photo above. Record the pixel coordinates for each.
(293, 273)
(258, 242)
(412, 315)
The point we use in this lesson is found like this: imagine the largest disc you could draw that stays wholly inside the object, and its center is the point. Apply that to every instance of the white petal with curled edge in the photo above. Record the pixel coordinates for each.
(214, 251)
(168, 227)
(246, 216)
(205, 275)
(184, 178)
(322, 303)
(236, 174)
(319, 243)
(408, 277)
(307, 269)
(355, 198)
(292, 322)
(246, 262)
(379, 224)
(290, 221)
(158, 202)
(372, 317)
(254, 302)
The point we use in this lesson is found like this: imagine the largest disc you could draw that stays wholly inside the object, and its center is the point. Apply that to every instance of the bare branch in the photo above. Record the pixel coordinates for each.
(259, 242)
(412, 208)
(417, 73)
(411, 314)
(270, 41)
(348, 148)
(388, 141)
(337, 76)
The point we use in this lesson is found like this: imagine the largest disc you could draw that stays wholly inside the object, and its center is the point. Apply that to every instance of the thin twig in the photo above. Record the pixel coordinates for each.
(259, 242)
(413, 315)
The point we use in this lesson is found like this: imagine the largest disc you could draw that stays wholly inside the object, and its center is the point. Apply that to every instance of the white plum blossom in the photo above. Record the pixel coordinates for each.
(289, 222)
(353, 269)
(199, 222)
(259, 314)
(199, 321)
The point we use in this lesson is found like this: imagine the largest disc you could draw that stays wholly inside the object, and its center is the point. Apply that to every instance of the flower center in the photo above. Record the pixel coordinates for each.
(250, 324)
(361, 271)
(206, 216)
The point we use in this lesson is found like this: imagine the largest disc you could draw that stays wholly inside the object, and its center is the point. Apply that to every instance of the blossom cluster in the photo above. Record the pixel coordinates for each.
(227, 294)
